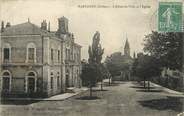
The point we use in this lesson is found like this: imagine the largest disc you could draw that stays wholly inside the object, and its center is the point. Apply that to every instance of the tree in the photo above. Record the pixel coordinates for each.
(165, 47)
(116, 63)
(146, 67)
(92, 71)
(95, 51)
(95, 56)
(89, 75)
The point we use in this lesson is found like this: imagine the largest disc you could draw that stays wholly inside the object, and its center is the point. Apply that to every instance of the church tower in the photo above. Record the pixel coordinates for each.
(127, 48)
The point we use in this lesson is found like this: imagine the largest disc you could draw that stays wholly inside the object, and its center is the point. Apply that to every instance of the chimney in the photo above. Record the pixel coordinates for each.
(8, 24)
(2, 26)
(62, 25)
(44, 25)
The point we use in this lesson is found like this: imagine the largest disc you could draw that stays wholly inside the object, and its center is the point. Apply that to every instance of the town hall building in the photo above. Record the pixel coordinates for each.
(35, 61)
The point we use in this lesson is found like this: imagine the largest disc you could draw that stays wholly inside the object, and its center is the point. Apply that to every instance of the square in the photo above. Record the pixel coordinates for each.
(170, 17)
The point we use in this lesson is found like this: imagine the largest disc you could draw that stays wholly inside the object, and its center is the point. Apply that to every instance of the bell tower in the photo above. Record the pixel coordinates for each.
(62, 25)
(127, 48)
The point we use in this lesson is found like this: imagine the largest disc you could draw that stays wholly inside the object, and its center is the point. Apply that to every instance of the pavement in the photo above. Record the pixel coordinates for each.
(58, 97)
(166, 89)
(118, 99)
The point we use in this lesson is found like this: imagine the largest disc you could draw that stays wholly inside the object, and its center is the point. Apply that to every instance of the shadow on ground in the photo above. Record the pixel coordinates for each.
(88, 98)
(112, 84)
(169, 103)
(146, 90)
(96, 90)
(18, 102)
(140, 87)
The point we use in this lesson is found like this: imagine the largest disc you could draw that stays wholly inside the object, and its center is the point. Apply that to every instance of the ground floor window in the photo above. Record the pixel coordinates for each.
(31, 82)
(58, 83)
(6, 81)
(51, 82)
(31, 85)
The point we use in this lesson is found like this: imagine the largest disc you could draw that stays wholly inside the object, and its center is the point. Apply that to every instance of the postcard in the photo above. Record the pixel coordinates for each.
(91, 58)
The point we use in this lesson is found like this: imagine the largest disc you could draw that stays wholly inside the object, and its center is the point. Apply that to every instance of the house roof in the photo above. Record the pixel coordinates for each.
(24, 29)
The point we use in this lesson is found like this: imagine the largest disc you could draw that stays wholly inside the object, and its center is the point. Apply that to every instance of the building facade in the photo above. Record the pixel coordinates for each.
(36, 61)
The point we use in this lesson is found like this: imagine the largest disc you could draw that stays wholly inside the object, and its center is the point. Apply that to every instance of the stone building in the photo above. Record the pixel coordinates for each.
(36, 61)
(128, 61)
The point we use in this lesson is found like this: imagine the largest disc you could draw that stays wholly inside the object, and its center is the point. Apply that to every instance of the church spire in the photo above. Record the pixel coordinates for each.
(127, 48)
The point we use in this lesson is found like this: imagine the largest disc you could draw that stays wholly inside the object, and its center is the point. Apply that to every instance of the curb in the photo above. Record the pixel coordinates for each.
(167, 89)
(43, 99)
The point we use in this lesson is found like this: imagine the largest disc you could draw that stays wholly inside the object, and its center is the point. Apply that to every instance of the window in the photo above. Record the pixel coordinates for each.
(58, 55)
(58, 81)
(31, 53)
(6, 54)
(31, 74)
(6, 80)
(52, 54)
(65, 53)
(51, 82)
(31, 81)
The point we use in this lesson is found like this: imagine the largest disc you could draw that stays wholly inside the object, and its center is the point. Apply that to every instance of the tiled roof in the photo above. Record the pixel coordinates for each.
(24, 29)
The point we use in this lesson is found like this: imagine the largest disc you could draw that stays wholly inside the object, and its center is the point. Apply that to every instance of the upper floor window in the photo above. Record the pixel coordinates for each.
(31, 53)
(6, 52)
(58, 55)
(52, 55)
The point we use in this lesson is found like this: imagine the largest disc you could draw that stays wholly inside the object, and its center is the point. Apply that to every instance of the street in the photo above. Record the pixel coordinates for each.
(119, 99)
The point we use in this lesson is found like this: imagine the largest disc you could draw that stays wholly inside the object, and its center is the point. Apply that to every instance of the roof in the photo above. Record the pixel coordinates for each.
(24, 29)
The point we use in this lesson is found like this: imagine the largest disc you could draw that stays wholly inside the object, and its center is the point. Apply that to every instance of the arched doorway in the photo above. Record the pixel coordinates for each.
(31, 80)
(6, 82)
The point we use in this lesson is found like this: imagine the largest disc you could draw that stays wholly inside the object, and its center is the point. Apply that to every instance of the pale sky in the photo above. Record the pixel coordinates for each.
(114, 24)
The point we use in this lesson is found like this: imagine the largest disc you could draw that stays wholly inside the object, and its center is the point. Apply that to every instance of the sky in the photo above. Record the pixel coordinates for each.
(114, 24)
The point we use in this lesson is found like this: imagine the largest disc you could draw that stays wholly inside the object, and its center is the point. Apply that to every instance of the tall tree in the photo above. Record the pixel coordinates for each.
(165, 47)
(95, 56)
(95, 51)
(146, 67)
(92, 72)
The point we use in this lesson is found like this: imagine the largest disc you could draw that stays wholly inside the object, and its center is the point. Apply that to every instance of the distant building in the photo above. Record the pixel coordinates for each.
(128, 60)
(123, 63)
(38, 61)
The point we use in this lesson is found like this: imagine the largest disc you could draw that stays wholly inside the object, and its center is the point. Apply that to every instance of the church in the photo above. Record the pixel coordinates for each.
(128, 61)
(122, 63)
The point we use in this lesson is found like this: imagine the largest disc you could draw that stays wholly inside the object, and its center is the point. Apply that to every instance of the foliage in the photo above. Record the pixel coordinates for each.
(165, 47)
(116, 63)
(146, 67)
(95, 51)
(93, 71)
(89, 74)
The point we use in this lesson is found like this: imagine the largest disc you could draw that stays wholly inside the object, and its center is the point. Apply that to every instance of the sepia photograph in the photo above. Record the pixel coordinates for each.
(91, 58)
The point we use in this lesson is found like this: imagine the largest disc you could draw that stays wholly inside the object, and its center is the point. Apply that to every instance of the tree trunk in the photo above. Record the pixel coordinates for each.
(101, 85)
(90, 90)
(144, 83)
(148, 85)
(109, 80)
